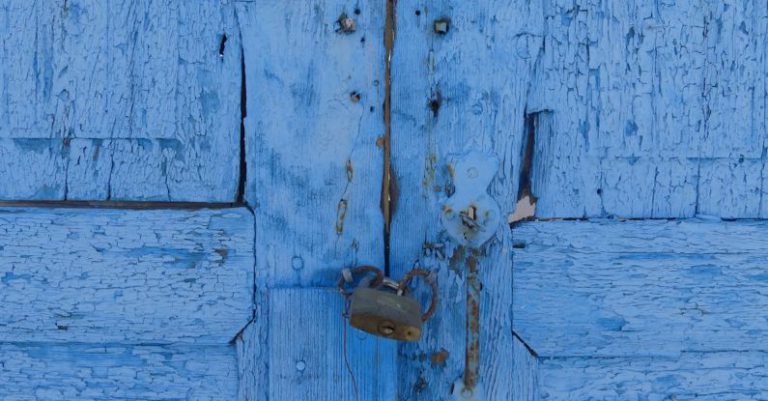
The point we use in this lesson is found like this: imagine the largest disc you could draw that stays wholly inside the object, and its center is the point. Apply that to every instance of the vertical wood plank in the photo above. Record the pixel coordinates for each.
(525, 373)
(306, 351)
(733, 147)
(625, 83)
(667, 99)
(116, 100)
(465, 89)
(314, 113)
(313, 101)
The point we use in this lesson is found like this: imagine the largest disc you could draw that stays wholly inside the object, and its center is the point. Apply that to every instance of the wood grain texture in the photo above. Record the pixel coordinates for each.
(127, 276)
(641, 288)
(295, 351)
(119, 100)
(453, 93)
(700, 376)
(89, 372)
(525, 374)
(314, 95)
(305, 350)
(656, 110)
(314, 114)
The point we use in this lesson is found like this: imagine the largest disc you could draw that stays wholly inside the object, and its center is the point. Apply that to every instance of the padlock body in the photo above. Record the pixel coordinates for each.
(385, 314)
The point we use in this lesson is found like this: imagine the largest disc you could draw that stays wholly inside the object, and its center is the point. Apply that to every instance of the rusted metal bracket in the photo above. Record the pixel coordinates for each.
(471, 217)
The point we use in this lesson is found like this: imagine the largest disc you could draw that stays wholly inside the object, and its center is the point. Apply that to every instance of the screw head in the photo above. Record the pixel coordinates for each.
(345, 24)
(441, 26)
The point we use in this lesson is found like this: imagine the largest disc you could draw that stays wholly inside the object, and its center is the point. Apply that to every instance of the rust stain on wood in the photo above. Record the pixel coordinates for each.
(341, 214)
(438, 358)
(472, 357)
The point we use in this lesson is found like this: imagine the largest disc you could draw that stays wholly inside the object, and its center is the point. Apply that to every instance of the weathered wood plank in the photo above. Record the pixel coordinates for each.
(314, 114)
(525, 373)
(301, 353)
(314, 95)
(305, 350)
(54, 372)
(466, 89)
(657, 110)
(132, 276)
(654, 288)
(715, 376)
(119, 100)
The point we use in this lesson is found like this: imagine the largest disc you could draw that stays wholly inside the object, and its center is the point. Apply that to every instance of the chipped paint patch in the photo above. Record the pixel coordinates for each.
(524, 210)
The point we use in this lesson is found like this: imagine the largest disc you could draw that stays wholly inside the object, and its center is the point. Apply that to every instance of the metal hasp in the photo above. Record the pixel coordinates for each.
(471, 217)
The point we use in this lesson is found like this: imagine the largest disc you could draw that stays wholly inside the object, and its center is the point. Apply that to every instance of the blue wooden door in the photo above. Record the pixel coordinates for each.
(182, 182)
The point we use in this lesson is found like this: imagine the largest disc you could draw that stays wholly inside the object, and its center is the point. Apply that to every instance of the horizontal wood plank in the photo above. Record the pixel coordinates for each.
(132, 276)
(714, 376)
(633, 288)
(135, 100)
(84, 372)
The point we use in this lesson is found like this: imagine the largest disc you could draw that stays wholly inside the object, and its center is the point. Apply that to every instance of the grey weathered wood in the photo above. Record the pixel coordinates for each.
(121, 100)
(90, 372)
(707, 376)
(128, 276)
(314, 115)
(653, 288)
(476, 78)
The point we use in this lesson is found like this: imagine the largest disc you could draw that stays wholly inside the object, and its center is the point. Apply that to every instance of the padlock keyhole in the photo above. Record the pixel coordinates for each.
(386, 328)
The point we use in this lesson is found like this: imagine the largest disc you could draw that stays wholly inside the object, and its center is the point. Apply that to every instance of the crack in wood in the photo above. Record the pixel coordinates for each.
(240, 197)
(387, 198)
(122, 204)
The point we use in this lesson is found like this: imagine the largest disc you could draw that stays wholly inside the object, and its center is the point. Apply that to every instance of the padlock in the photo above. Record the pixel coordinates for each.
(386, 311)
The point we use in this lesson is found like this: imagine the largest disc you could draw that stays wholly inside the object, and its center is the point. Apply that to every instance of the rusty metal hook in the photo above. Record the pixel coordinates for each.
(431, 280)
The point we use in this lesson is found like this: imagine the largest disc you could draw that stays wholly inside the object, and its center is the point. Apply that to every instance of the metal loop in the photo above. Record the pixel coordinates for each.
(431, 279)
(348, 274)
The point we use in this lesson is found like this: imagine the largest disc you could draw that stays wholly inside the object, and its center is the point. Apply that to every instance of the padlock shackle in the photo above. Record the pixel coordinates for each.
(347, 276)
(431, 280)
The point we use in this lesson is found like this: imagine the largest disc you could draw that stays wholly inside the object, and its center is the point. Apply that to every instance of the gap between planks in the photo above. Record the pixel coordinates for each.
(129, 205)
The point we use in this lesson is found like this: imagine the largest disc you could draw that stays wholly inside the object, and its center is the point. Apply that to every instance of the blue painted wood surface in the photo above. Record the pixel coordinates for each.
(99, 372)
(656, 309)
(643, 110)
(125, 276)
(655, 110)
(120, 100)
(314, 116)
(454, 93)
(314, 96)
(109, 304)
